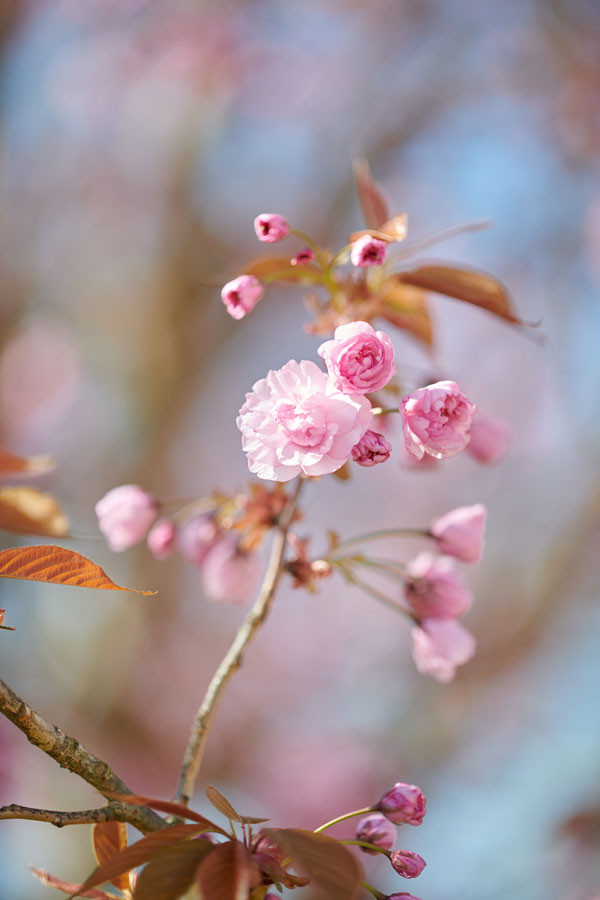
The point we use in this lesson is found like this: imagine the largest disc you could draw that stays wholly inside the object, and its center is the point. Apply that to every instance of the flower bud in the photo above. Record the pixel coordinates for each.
(125, 514)
(161, 538)
(271, 227)
(489, 439)
(459, 533)
(229, 575)
(404, 804)
(376, 829)
(434, 589)
(371, 449)
(196, 537)
(241, 295)
(407, 863)
(440, 646)
(367, 251)
(402, 896)
(303, 257)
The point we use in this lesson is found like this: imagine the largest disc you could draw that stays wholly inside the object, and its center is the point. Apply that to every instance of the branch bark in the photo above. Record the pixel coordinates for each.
(234, 656)
(110, 813)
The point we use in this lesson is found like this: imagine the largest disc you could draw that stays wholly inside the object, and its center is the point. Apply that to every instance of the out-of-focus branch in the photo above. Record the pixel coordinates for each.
(69, 754)
(110, 813)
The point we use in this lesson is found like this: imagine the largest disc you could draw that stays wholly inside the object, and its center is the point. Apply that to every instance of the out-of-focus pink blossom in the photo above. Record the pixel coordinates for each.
(359, 359)
(161, 538)
(460, 532)
(437, 420)
(440, 646)
(125, 514)
(229, 575)
(407, 863)
(303, 257)
(434, 589)
(489, 439)
(371, 449)
(295, 420)
(271, 227)
(404, 804)
(376, 829)
(241, 295)
(196, 537)
(367, 251)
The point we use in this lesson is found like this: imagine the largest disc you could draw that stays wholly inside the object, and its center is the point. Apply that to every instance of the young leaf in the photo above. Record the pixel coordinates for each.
(405, 307)
(10, 464)
(280, 268)
(395, 229)
(331, 867)
(216, 799)
(344, 473)
(373, 204)
(108, 839)
(170, 808)
(169, 874)
(225, 873)
(56, 565)
(27, 511)
(67, 888)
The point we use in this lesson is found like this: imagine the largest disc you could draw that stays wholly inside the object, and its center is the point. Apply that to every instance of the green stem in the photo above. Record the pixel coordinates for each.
(384, 411)
(368, 846)
(350, 815)
(307, 240)
(381, 598)
(377, 894)
(383, 533)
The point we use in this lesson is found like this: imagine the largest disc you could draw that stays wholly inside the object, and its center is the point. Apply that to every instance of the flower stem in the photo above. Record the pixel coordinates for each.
(369, 887)
(350, 815)
(383, 533)
(368, 846)
(384, 411)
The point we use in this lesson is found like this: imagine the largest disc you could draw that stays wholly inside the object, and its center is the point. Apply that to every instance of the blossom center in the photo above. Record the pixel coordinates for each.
(304, 425)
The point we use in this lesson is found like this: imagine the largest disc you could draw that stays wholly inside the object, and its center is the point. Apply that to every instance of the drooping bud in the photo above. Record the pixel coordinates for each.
(407, 863)
(161, 538)
(439, 646)
(271, 228)
(459, 533)
(404, 804)
(371, 449)
(367, 251)
(125, 514)
(241, 295)
(376, 829)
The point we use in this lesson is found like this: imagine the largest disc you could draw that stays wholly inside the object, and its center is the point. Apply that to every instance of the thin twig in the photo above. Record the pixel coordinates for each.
(234, 656)
(110, 813)
(69, 754)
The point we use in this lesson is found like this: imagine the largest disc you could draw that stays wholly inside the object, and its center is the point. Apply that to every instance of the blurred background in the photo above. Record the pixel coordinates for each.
(138, 140)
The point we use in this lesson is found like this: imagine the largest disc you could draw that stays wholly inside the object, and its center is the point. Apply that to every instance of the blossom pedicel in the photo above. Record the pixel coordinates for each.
(371, 449)
(404, 804)
(440, 646)
(459, 533)
(359, 359)
(241, 295)
(367, 251)
(271, 228)
(434, 589)
(125, 514)
(437, 420)
(376, 829)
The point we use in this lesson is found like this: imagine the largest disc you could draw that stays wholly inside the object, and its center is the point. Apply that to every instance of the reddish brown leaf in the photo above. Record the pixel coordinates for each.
(169, 874)
(67, 887)
(56, 565)
(170, 808)
(281, 269)
(10, 464)
(331, 867)
(225, 873)
(26, 511)
(108, 839)
(344, 473)
(405, 307)
(2, 625)
(373, 204)
(216, 799)
(395, 229)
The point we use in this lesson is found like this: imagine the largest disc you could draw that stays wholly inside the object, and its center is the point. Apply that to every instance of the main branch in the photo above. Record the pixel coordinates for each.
(234, 656)
(110, 813)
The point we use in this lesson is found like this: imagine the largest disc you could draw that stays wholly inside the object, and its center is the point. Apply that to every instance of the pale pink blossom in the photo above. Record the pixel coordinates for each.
(460, 532)
(371, 449)
(161, 538)
(125, 514)
(489, 439)
(271, 227)
(229, 575)
(303, 257)
(437, 420)
(440, 646)
(407, 863)
(403, 804)
(376, 829)
(196, 537)
(241, 295)
(367, 251)
(296, 421)
(434, 589)
(359, 359)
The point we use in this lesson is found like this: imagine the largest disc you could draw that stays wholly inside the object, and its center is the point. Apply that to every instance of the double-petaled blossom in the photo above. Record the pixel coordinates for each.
(403, 804)
(371, 449)
(358, 358)
(437, 420)
(460, 532)
(489, 439)
(407, 863)
(439, 646)
(434, 589)
(125, 514)
(229, 574)
(296, 421)
(161, 538)
(367, 251)
(241, 295)
(376, 829)
(271, 227)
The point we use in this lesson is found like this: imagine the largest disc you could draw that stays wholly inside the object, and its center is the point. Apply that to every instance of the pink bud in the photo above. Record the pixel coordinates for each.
(440, 646)
(302, 257)
(404, 804)
(437, 420)
(229, 575)
(270, 228)
(401, 896)
(371, 449)
(196, 537)
(367, 251)
(161, 538)
(434, 589)
(125, 514)
(459, 533)
(407, 863)
(489, 439)
(378, 830)
(241, 295)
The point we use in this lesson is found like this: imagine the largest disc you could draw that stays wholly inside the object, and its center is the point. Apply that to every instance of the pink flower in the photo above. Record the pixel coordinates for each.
(440, 646)
(270, 228)
(196, 537)
(302, 257)
(125, 514)
(436, 420)
(371, 449)
(359, 359)
(489, 439)
(241, 295)
(295, 420)
(407, 863)
(401, 896)
(378, 830)
(229, 575)
(367, 251)
(434, 589)
(404, 804)
(161, 538)
(459, 533)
